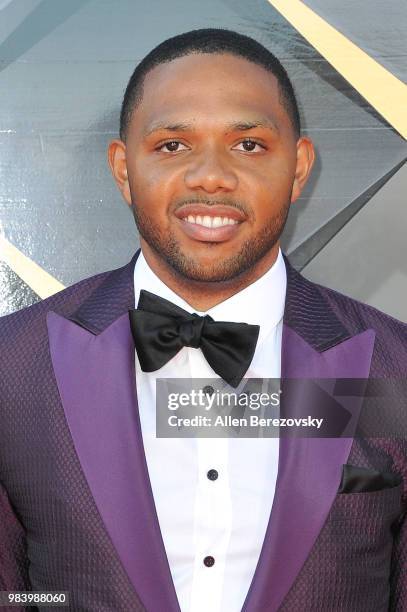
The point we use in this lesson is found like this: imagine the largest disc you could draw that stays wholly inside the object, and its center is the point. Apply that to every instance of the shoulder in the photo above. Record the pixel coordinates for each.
(321, 301)
(25, 358)
(390, 349)
(317, 310)
(31, 320)
(355, 313)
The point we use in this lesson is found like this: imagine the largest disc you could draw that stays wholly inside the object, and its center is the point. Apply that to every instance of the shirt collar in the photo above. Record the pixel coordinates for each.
(261, 303)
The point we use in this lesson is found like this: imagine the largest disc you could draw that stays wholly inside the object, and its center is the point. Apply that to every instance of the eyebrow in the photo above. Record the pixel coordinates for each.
(242, 126)
(170, 127)
(236, 126)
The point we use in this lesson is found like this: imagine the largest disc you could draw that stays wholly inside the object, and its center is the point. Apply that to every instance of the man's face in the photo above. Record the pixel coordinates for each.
(210, 166)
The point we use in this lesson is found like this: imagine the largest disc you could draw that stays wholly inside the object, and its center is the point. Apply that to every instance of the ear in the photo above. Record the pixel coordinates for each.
(305, 161)
(116, 156)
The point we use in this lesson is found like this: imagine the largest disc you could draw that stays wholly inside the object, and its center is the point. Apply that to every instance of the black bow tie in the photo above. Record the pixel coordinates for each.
(160, 329)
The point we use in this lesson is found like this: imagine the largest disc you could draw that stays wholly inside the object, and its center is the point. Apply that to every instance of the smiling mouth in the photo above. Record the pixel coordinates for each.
(210, 222)
(209, 228)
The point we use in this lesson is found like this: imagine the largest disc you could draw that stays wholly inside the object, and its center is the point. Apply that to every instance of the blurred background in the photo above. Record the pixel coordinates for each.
(63, 70)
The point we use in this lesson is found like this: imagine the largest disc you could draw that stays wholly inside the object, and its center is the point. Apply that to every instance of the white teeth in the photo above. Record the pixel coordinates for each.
(211, 222)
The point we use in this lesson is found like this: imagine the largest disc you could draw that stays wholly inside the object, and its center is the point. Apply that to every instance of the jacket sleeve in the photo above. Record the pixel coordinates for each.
(398, 583)
(13, 555)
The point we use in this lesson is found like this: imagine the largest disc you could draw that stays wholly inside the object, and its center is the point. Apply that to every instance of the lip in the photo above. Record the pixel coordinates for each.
(209, 234)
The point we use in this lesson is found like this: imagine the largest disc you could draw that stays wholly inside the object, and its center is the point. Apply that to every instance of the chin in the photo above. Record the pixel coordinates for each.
(203, 270)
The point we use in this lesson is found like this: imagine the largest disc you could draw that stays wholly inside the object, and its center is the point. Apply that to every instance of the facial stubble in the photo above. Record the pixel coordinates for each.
(168, 249)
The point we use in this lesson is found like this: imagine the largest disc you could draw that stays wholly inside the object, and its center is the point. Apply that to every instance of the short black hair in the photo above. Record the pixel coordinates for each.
(207, 41)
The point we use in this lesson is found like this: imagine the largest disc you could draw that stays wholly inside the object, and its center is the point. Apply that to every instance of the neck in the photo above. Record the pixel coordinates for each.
(204, 295)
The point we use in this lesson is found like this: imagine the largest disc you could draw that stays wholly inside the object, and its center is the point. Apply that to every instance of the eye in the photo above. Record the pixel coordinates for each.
(249, 146)
(172, 146)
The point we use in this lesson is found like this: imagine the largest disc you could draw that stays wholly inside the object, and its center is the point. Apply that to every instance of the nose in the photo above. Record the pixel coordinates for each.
(211, 173)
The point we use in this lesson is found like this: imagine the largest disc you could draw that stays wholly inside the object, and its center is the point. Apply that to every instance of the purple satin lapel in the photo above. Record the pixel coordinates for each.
(96, 381)
(309, 472)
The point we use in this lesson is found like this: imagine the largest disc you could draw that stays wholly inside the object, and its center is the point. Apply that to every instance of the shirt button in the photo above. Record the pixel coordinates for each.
(212, 474)
(209, 561)
(208, 390)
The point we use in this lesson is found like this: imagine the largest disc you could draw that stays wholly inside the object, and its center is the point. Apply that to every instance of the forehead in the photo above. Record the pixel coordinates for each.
(213, 88)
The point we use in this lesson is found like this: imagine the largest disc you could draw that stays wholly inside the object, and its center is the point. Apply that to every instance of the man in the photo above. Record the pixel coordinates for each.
(209, 159)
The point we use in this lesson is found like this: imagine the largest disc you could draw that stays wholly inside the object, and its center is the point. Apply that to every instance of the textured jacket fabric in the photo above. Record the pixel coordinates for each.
(58, 531)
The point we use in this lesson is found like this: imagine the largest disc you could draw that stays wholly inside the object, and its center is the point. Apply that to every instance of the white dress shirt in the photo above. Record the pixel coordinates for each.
(224, 518)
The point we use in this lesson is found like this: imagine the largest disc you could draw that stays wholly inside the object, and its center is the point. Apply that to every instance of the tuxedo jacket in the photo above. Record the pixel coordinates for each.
(77, 512)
